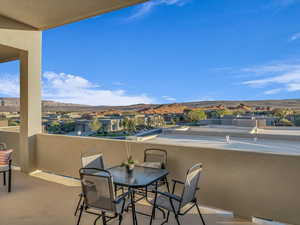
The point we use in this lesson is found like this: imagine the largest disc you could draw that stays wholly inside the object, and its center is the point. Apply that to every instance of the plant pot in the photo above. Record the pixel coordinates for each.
(130, 167)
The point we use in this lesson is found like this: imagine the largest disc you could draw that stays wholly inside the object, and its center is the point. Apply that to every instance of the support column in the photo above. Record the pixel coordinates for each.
(30, 105)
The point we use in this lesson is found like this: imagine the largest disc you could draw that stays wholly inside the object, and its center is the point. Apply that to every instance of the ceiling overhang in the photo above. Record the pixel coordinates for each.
(46, 14)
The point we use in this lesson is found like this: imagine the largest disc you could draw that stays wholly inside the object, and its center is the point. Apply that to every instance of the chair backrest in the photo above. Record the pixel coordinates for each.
(6, 157)
(191, 184)
(92, 160)
(156, 156)
(3, 146)
(98, 189)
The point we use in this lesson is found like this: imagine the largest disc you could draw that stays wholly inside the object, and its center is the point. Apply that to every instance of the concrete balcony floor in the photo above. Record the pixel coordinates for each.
(38, 202)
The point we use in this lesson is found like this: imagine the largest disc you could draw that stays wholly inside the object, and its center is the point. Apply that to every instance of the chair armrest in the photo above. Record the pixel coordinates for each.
(173, 197)
(122, 197)
(180, 182)
(177, 181)
(174, 184)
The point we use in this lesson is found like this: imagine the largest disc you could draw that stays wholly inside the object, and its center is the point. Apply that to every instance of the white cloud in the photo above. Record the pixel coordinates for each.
(9, 85)
(70, 88)
(294, 87)
(272, 68)
(285, 76)
(281, 79)
(272, 91)
(295, 37)
(147, 7)
(168, 98)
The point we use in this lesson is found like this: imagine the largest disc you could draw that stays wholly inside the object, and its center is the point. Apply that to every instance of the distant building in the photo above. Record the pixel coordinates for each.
(241, 121)
(111, 124)
(173, 118)
(107, 125)
(82, 127)
(12, 102)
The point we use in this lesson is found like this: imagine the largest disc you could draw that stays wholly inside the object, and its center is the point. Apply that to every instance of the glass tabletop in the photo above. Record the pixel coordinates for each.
(139, 177)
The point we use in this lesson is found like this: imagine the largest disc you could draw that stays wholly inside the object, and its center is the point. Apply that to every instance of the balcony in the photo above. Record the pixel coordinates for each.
(35, 201)
(249, 184)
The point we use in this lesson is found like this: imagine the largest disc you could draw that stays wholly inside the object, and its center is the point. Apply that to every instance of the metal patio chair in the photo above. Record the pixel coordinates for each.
(90, 160)
(6, 166)
(99, 195)
(180, 205)
(153, 158)
(156, 158)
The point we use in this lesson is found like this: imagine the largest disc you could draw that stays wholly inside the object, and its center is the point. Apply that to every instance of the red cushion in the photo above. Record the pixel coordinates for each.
(5, 156)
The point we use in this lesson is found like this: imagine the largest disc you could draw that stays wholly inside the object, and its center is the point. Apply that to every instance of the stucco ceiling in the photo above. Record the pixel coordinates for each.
(8, 54)
(45, 14)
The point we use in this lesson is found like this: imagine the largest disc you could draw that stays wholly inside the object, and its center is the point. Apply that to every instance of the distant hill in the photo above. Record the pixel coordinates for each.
(164, 109)
(179, 107)
(12, 105)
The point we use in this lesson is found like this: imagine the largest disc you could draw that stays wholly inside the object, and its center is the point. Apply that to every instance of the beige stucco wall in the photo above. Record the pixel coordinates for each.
(247, 183)
(28, 45)
(11, 139)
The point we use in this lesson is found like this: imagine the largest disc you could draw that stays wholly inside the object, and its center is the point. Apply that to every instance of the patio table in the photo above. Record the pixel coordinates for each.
(140, 177)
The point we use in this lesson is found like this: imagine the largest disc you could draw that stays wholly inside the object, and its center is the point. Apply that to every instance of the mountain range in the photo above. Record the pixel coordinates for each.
(13, 104)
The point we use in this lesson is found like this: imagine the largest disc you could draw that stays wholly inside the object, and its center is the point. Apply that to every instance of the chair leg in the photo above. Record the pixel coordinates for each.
(80, 214)
(95, 221)
(167, 220)
(104, 218)
(200, 214)
(174, 211)
(163, 212)
(4, 178)
(177, 219)
(152, 215)
(78, 204)
(167, 184)
(120, 219)
(9, 180)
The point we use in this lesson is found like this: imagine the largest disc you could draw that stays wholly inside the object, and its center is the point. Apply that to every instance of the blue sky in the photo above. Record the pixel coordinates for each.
(168, 51)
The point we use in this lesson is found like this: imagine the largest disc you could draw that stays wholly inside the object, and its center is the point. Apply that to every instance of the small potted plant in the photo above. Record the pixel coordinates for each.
(129, 164)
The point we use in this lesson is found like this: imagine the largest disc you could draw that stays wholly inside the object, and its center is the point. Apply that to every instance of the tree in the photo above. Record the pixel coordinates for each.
(68, 126)
(222, 112)
(13, 123)
(283, 113)
(131, 125)
(95, 125)
(285, 122)
(162, 122)
(196, 115)
(54, 128)
(125, 122)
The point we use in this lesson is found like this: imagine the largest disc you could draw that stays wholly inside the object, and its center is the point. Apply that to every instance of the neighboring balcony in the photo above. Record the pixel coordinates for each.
(248, 184)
